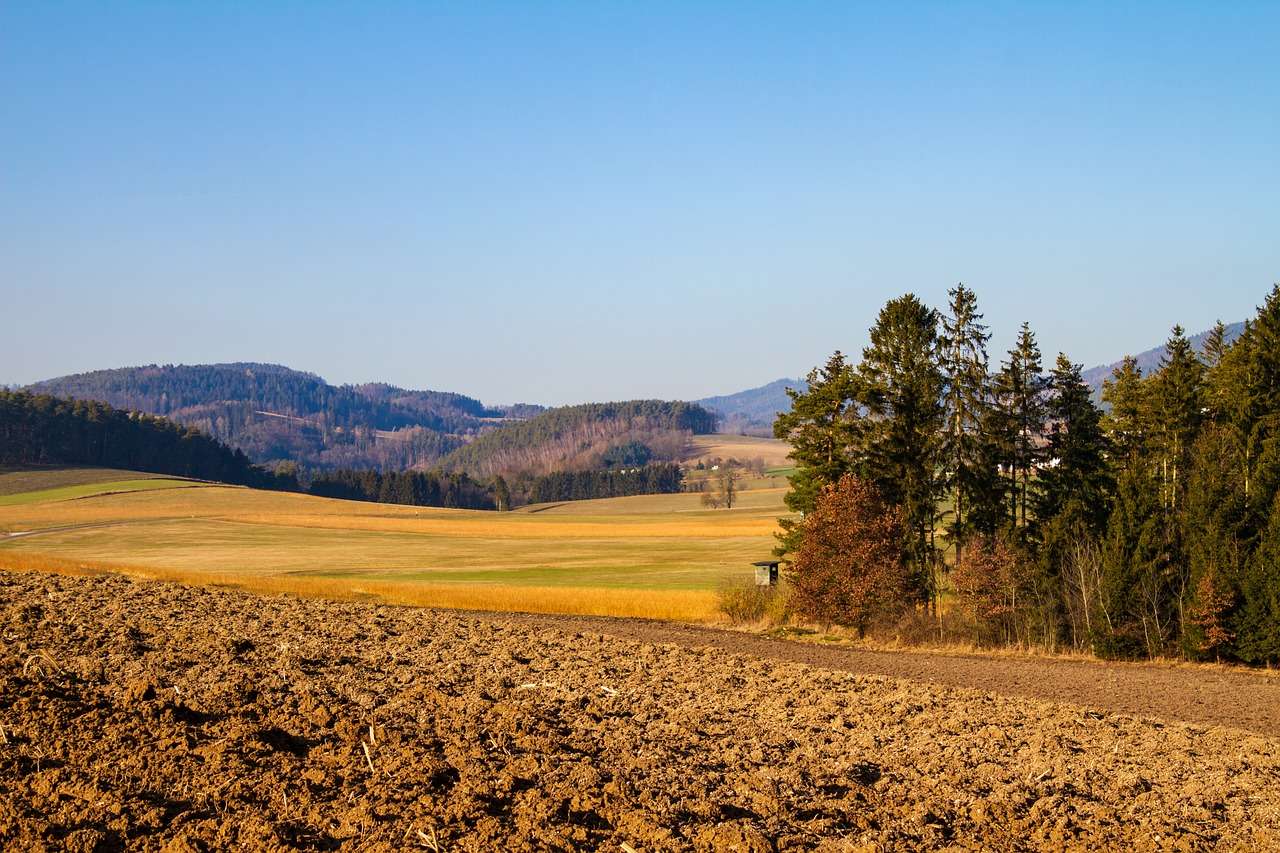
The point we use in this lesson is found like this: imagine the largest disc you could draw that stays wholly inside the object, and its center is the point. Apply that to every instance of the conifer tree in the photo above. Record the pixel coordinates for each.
(1177, 405)
(1257, 626)
(969, 468)
(1125, 424)
(1077, 479)
(823, 426)
(1136, 604)
(1020, 391)
(902, 392)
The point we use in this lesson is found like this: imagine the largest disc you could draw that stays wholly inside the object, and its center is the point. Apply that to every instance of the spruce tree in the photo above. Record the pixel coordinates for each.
(1020, 394)
(1257, 626)
(1136, 610)
(1177, 405)
(1077, 479)
(902, 392)
(963, 356)
(823, 427)
(1125, 424)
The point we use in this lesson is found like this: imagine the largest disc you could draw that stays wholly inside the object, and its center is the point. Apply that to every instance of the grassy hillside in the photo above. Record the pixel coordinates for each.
(650, 556)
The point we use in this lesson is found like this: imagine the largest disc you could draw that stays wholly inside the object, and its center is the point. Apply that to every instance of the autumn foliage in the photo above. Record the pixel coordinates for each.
(994, 584)
(850, 568)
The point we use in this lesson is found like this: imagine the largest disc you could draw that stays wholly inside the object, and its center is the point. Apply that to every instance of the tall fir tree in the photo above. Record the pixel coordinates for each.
(1020, 388)
(902, 392)
(823, 426)
(1076, 479)
(968, 467)
(1125, 392)
(1177, 406)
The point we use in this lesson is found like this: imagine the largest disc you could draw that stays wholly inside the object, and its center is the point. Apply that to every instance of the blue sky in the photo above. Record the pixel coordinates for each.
(558, 202)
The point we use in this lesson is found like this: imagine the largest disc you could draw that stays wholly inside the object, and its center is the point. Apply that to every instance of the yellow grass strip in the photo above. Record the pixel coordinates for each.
(675, 605)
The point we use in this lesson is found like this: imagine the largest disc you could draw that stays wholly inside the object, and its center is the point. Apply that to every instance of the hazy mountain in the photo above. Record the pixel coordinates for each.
(751, 412)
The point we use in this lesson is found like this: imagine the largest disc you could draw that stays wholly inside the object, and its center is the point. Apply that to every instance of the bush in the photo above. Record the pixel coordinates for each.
(744, 603)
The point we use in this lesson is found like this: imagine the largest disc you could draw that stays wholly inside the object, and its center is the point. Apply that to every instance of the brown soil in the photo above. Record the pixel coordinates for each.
(1224, 696)
(151, 716)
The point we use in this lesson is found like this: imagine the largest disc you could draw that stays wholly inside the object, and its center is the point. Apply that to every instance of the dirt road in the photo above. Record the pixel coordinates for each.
(1209, 695)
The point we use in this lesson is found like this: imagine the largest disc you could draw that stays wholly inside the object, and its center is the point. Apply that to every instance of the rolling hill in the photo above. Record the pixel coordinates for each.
(275, 414)
(581, 437)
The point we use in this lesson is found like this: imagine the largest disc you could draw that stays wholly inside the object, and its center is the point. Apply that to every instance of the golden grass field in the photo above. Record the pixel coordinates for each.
(659, 556)
(744, 448)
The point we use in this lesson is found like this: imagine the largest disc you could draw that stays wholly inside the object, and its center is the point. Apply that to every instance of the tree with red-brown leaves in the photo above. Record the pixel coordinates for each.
(1209, 615)
(994, 584)
(851, 568)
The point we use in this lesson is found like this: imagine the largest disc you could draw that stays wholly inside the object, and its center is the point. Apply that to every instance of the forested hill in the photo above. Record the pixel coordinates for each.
(274, 413)
(585, 437)
(752, 412)
(43, 430)
(1149, 360)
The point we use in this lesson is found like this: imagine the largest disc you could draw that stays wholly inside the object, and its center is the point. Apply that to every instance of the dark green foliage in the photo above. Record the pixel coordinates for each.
(1150, 530)
(966, 458)
(824, 427)
(662, 478)
(1019, 426)
(414, 488)
(1137, 602)
(1076, 477)
(902, 393)
(39, 429)
(627, 455)
(1257, 625)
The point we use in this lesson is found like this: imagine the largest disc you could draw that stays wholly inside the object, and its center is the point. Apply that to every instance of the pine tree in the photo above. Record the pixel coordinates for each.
(1136, 607)
(1177, 405)
(1020, 391)
(1257, 626)
(1218, 538)
(902, 393)
(823, 426)
(1125, 424)
(963, 356)
(1076, 478)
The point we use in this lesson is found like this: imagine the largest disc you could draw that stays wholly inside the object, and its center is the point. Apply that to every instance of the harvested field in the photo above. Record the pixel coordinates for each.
(154, 716)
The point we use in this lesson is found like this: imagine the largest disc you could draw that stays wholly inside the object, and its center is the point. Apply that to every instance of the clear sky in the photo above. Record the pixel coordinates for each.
(558, 202)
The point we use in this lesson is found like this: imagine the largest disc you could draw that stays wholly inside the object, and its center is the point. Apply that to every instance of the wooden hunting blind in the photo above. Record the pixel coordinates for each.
(766, 572)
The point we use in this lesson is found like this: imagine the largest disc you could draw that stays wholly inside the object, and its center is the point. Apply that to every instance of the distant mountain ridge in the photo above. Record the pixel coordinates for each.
(752, 412)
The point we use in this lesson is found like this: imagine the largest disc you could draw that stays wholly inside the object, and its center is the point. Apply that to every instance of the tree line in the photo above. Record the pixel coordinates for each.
(655, 479)
(930, 479)
(39, 429)
(414, 488)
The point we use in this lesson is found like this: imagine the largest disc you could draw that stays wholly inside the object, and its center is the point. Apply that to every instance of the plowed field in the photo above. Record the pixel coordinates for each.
(152, 716)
